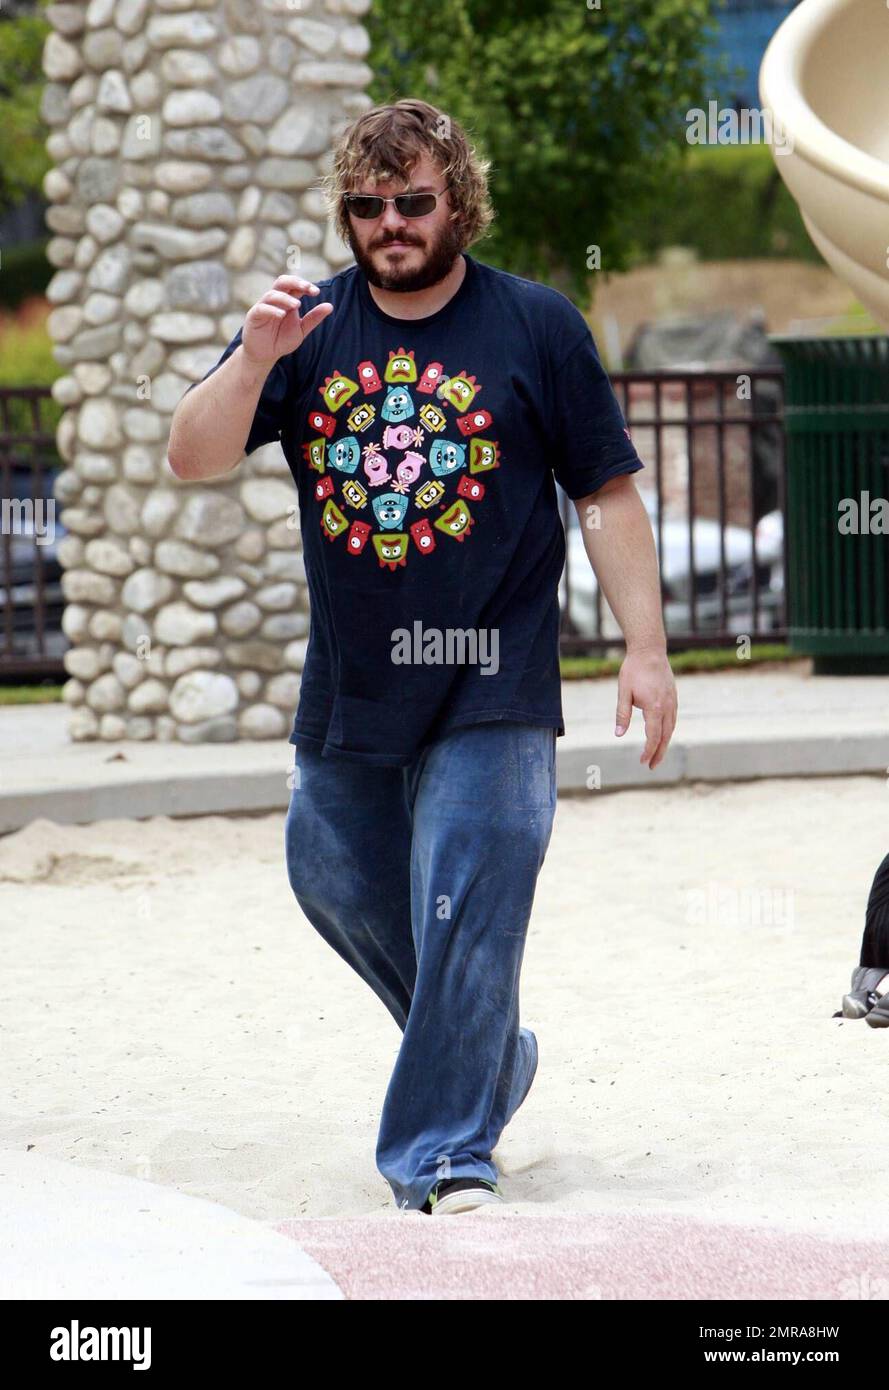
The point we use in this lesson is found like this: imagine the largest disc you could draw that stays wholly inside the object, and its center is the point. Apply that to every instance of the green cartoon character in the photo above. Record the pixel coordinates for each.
(391, 549)
(337, 389)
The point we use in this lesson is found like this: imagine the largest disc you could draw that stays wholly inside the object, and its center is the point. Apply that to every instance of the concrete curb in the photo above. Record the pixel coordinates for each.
(582, 766)
(725, 760)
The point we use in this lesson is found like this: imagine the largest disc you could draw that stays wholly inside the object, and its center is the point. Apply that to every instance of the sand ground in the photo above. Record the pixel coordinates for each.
(167, 1012)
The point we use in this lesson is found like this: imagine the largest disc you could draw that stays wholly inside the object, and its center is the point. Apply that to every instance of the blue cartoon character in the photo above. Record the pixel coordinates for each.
(446, 457)
(389, 510)
(344, 454)
(398, 405)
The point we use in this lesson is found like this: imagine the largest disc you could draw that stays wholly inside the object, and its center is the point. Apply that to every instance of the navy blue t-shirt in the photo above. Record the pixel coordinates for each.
(424, 453)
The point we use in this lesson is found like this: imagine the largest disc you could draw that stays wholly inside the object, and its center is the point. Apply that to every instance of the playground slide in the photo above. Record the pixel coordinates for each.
(825, 80)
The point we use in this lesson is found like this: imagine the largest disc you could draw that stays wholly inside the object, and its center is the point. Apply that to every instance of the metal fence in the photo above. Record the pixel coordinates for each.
(714, 484)
(712, 442)
(31, 639)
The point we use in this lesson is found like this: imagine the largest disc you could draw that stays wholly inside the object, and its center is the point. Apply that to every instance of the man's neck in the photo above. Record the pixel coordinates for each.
(419, 304)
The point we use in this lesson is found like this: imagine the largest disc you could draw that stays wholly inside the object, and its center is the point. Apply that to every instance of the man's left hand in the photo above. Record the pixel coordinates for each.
(646, 681)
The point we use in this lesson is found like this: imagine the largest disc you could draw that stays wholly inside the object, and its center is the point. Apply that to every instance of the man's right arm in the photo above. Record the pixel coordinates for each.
(211, 423)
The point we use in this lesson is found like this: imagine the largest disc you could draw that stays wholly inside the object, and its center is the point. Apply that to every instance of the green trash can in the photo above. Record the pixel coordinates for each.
(837, 433)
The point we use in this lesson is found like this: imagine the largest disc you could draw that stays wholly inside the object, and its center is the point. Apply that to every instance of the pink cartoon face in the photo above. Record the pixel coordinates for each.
(431, 378)
(368, 378)
(324, 424)
(357, 537)
(324, 488)
(376, 469)
(398, 436)
(422, 537)
(473, 422)
(408, 471)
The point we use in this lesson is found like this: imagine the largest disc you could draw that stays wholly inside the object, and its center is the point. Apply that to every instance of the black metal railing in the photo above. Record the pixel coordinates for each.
(712, 441)
(31, 605)
(713, 445)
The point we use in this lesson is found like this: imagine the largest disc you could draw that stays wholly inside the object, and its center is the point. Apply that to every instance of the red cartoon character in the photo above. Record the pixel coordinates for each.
(369, 378)
(324, 488)
(471, 488)
(431, 378)
(357, 537)
(473, 422)
(319, 421)
(421, 533)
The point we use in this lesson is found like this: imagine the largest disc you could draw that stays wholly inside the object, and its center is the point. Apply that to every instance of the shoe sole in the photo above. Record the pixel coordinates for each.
(456, 1202)
(533, 1070)
(878, 1018)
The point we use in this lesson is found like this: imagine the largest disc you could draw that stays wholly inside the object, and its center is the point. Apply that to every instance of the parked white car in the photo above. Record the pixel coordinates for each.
(676, 572)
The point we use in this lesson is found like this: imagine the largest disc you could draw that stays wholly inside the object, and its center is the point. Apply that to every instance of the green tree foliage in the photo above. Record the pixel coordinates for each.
(581, 110)
(23, 157)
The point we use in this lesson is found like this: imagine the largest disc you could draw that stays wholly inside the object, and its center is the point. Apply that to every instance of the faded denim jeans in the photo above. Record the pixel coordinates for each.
(422, 878)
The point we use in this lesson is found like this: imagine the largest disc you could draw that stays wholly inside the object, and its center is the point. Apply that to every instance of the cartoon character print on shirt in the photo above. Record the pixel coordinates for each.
(400, 473)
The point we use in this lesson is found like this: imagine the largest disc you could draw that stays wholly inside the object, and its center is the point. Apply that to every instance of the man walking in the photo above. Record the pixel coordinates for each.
(425, 405)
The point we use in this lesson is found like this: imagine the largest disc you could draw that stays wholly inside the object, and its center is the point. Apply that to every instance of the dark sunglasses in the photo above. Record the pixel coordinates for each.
(367, 206)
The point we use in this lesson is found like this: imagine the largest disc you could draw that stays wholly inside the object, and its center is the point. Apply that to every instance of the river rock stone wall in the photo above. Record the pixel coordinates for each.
(187, 138)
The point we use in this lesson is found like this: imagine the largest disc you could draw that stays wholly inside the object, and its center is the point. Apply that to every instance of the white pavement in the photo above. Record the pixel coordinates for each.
(736, 725)
(125, 1238)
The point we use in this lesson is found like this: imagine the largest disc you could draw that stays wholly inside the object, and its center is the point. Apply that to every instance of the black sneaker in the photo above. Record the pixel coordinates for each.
(460, 1194)
(862, 997)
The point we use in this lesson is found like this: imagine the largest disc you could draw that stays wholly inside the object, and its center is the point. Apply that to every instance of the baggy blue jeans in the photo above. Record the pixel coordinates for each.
(422, 878)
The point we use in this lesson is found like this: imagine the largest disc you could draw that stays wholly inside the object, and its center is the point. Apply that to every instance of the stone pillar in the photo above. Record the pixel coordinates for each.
(188, 137)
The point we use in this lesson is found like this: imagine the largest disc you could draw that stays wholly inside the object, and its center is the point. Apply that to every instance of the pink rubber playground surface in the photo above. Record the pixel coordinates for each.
(494, 1255)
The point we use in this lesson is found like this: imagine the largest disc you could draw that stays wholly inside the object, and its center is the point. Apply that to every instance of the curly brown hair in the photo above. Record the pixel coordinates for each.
(385, 143)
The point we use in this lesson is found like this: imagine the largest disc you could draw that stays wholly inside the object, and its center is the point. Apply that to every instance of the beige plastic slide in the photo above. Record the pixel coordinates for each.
(825, 80)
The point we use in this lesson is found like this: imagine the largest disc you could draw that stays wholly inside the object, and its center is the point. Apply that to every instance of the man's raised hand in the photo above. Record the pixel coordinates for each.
(273, 326)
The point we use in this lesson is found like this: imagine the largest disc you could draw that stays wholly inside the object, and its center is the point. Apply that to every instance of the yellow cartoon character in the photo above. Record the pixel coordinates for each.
(361, 416)
(354, 494)
(432, 417)
(429, 493)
